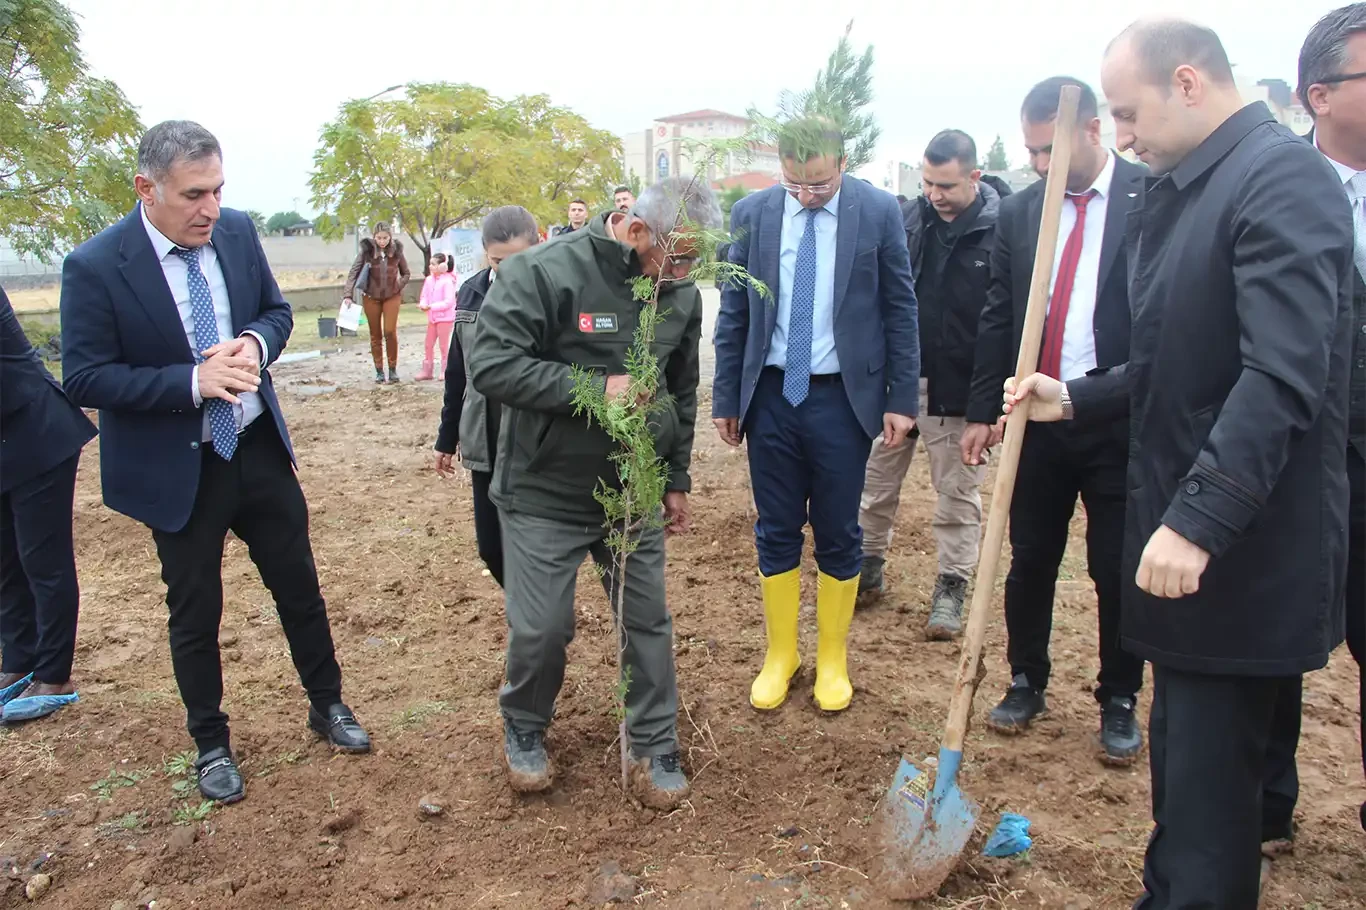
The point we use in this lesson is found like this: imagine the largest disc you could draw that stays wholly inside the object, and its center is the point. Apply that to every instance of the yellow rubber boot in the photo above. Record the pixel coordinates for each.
(782, 601)
(834, 611)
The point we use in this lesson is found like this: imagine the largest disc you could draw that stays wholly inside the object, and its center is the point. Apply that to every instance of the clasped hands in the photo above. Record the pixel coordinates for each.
(230, 366)
(1171, 565)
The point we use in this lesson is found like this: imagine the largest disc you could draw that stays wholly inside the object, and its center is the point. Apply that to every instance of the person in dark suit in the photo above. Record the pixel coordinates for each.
(810, 375)
(1087, 328)
(1332, 77)
(169, 320)
(1235, 549)
(41, 437)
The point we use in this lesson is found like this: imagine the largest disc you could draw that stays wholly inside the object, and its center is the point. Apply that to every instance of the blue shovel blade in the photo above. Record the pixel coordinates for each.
(925, 829)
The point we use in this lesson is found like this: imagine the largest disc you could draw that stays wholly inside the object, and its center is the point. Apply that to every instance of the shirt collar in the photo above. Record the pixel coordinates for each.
(1101, 185)
(161, 244)
(1219, 143)
(1345, 172)
(791, 207)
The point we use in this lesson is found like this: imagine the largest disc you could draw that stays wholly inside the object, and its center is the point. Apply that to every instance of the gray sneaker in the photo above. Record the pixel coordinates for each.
(659, 782)
(528, 764)
(871, 584)
(946, 609)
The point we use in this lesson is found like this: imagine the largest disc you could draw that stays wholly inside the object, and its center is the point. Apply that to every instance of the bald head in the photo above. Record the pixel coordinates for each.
(1160, 46)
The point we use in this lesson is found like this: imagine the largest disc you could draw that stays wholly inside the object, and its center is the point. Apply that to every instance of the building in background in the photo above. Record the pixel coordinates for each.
(661, 150)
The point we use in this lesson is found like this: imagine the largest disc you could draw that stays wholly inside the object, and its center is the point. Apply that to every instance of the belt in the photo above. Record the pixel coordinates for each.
(816, 378)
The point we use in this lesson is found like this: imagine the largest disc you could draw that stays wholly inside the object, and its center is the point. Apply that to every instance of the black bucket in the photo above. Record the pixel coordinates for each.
(327, 327)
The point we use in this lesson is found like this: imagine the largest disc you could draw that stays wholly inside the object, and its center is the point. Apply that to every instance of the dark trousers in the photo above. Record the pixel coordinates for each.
(1282, 779)
(1056, 464)
(39, 595)
(806, 464)
(1208, 739)
(257, 497)
(488, 530)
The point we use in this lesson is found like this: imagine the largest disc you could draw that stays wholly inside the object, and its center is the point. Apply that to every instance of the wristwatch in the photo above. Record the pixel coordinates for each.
(1065, 399)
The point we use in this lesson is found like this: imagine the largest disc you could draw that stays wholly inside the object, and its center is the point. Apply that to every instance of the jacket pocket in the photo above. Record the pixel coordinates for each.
(573, 454)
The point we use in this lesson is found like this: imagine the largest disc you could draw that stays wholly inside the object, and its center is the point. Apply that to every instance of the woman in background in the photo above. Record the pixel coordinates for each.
(382, 291)
(469, 422)
(438, 300)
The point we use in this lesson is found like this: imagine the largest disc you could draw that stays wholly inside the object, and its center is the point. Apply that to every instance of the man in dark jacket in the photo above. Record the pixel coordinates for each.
(41, 437)
(1335, 97)
(556, 308)
(1236, 390)
(1087, 328)
(949, 231)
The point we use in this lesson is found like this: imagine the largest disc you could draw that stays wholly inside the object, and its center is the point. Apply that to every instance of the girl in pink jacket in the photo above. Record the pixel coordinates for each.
(438, 299)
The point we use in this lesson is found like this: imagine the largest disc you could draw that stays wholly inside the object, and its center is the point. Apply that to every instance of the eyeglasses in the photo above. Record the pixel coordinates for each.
(809, 187)
(1345, 77)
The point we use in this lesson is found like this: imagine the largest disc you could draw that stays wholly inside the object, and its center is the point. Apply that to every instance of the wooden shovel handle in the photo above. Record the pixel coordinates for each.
(965, 686)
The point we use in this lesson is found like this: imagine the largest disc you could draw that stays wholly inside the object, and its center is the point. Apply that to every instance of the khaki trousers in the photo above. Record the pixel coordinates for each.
(957, 521)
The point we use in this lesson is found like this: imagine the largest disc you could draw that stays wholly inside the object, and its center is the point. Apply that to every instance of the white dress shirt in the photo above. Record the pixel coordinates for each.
(1354, 183)
(1079, 334)
(823, 357)
(178, 280)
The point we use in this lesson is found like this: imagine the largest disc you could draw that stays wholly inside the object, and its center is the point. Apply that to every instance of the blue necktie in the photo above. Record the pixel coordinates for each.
(801, 317)
(222, 421)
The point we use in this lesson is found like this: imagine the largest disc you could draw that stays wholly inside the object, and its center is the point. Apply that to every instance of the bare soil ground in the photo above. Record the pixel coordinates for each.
(783, 805)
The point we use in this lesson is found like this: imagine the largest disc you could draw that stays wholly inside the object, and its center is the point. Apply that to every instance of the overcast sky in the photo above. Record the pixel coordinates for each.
(264, 76)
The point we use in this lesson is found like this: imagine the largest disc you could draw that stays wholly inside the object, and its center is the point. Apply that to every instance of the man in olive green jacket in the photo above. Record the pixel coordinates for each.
(555, 307)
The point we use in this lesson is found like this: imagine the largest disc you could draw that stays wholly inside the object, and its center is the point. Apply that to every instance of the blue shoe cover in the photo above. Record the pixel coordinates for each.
(34, 707)
(1010, 837)
(10, 692)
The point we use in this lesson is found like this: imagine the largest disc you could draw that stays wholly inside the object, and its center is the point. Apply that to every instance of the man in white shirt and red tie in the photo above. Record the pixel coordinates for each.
(1087, 327)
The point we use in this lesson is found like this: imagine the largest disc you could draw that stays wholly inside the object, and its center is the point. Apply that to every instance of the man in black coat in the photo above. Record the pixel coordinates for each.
(1087, 329)
(41, 437)
(1236, 391)
(1333, 91)
(949, 232)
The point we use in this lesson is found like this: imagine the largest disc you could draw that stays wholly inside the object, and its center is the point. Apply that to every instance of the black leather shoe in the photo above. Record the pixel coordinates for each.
(219, 778)
(1021, 706)
(339, 728)
(1120, 738)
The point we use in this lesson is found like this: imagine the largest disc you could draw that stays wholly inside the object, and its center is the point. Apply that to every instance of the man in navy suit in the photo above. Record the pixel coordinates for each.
(169, 320)
(811, 373)
(41, 437)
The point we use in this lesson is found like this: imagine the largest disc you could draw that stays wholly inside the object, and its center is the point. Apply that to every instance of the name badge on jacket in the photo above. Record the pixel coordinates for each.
(596, 323)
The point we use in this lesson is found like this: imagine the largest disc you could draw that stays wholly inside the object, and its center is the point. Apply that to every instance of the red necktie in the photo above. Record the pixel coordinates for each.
(1050, 360)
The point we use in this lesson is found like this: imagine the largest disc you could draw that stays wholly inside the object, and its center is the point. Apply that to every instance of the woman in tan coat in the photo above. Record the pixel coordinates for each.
(385, 274)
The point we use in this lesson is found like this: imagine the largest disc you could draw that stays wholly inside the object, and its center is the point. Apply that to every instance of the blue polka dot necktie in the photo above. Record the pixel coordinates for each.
(222, 421)
(801, 317)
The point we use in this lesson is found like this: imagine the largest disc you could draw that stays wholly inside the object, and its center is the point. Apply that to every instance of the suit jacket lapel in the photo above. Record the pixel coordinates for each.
(846, 238)
(770, 250)
(226, 246)
(1124, 189)
(143, 273)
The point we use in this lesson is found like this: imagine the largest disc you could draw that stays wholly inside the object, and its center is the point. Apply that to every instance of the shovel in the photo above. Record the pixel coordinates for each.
(924, 827)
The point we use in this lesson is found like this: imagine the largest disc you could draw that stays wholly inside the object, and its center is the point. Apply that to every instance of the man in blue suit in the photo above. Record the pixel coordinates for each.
(811, 373)
(41, 437)
(169, 320)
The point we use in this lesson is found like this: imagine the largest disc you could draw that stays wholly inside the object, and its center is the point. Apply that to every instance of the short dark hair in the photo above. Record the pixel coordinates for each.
(1041, 104)
(810, 137)
(1324, 53)
(578, 202)
(952, 145)
(622, 189)
(1161, 45)
(509, 223)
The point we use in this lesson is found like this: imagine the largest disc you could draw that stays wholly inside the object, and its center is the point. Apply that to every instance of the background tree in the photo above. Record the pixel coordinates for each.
(258, 220)
(729, 196)
(68, 143)
(281, 220)
(445, 154)
(843, 91)
(996, 157)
